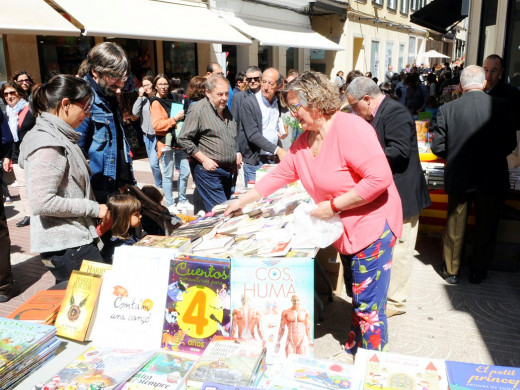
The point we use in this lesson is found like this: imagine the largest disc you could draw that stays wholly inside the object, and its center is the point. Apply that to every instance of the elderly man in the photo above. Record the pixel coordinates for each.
(103, 137)
(395, 128)
(209, 137)
(469, 128)
(259, 119)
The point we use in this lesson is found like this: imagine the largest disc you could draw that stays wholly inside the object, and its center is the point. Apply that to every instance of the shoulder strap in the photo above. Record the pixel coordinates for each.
(22, 114)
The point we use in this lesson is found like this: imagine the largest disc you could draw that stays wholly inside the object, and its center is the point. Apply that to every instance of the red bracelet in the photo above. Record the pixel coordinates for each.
(333, 206)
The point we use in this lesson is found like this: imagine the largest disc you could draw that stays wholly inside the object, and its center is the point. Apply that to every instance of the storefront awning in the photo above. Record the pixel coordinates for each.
(271, 36)
(187, 21)
(33, 17)
(440, 15)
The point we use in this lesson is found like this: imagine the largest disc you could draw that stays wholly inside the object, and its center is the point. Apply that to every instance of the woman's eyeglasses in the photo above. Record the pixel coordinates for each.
(250, 79)
(12, 93)
(24, 81)
(295, 107)
(86, 108)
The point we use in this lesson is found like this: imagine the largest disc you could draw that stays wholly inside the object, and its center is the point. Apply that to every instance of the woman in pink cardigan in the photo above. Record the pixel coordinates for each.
(341, 164)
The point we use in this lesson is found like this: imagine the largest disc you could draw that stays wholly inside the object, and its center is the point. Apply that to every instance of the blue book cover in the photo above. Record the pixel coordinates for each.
(463, 376)
(197, 303)
(272, 300)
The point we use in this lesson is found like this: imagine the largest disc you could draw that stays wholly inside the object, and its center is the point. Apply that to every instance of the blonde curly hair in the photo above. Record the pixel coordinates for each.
(314, 90)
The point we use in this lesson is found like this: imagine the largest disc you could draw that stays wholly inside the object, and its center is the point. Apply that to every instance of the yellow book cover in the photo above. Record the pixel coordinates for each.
(94, 267)
(75, 316)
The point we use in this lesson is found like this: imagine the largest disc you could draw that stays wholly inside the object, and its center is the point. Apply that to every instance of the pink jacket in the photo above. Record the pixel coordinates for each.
(351, 157)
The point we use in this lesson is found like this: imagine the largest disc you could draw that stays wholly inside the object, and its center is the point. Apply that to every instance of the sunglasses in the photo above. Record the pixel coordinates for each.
(12, 93)
(24, 81)
(249, 79)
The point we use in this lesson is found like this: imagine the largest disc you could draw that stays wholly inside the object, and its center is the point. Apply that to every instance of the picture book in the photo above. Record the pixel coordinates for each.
(20, 338)
(385, 371)
(74, 319)
(466, 376)
(227, 360)
(273, 300)
(221, 386)
(308, 373)
(41, 308)
(94, 267)
(179, 243)
(131, 305)
(166, 370)
(100, 368)
(197, 303)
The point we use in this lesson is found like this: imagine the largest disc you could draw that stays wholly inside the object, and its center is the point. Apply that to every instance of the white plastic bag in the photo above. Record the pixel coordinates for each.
(312, 232)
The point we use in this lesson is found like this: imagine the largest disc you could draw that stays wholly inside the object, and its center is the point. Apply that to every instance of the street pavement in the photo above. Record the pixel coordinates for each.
(464, 322)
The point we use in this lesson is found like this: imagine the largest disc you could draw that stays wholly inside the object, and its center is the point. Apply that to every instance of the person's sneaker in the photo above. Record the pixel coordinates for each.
(185, 206)
(172, 209)
(8, 200)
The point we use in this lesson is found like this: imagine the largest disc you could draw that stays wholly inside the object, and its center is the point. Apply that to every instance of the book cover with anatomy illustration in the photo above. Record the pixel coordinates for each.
(74, 319)
(273, 300)
(197, 303)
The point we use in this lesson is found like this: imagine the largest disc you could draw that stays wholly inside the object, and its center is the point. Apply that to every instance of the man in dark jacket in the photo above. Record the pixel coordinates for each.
(395, 129)
(475, 134)
(7, 289)
(259, 118)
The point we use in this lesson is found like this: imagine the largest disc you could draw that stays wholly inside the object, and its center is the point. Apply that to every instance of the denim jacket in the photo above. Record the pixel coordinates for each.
(99, 141)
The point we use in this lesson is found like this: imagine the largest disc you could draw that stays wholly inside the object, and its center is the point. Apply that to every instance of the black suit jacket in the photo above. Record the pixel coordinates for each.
(395, 128)
(475, 134)
(250, 138)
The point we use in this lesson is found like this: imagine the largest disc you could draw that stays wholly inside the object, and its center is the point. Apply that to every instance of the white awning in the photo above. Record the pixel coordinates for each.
(147, 19)
(283, 36)
(34, 17)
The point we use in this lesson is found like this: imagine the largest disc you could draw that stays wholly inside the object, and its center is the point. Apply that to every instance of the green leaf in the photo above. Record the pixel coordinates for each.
(386, 233)
(378, 274)
(374, 307)
(363, 306)
(363, 269)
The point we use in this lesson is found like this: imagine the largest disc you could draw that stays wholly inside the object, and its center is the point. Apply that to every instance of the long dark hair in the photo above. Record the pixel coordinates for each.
(48, 96)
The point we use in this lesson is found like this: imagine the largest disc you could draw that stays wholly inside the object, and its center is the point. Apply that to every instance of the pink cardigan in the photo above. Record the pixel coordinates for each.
(350, 157)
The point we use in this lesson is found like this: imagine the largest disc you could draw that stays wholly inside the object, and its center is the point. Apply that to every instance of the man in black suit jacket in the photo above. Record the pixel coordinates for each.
(395, 128)
(475, 134)
(259, 117)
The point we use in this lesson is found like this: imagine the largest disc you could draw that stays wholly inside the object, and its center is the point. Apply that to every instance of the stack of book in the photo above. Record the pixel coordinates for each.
(229, 361)
(100, 368)
(42, 308)
(434, 174)
(24, 346)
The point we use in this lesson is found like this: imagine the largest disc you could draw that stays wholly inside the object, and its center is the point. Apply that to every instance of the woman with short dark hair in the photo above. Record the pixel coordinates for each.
(58, 177)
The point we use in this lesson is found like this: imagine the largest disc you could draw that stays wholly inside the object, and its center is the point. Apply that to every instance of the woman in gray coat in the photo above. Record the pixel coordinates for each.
(63, 206)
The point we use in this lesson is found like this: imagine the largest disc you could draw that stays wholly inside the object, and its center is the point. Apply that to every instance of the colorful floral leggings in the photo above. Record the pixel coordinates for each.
(370, 270)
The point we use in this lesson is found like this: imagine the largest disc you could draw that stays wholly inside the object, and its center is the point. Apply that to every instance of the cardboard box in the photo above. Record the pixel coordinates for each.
(330, 262)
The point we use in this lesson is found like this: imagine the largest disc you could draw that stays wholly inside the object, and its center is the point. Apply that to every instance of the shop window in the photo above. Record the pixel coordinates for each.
(389, 54)
(411, 50)
(62, 54)
(141, 57)
(512, 47)
(180, 60)
(291, 58)
(265, 57)
(230, 52)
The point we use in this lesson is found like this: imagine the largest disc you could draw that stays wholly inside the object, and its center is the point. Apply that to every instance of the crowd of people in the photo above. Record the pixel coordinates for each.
(350, 141)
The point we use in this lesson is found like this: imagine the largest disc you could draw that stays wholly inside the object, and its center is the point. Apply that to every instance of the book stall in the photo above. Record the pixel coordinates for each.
(225, 303)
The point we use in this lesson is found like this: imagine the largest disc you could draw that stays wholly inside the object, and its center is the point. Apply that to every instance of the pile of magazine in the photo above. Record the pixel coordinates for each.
(24, 347)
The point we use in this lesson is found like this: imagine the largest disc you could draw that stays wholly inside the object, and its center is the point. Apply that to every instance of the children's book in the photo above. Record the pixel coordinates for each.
(308, 373)
(227, 360)
(221, 386)
(42, 308)
(100, 368)
(131, 306)
(167, 370)
(467, 376)
(94, 267)
(174, 242)
(74, 319)
(197, 303)
(273, 301)
(18, 339)
(385, 371)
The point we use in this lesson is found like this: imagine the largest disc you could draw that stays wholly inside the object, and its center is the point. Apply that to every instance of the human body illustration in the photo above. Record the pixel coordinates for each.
(245, 320)
(298, 323)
